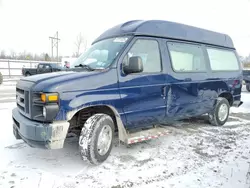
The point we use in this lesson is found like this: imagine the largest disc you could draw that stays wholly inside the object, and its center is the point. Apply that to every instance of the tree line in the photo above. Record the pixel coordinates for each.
(245, 60)
(26, 56)
(80, 47)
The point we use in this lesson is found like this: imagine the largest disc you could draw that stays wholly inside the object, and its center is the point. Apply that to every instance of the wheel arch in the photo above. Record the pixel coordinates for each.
(106, 109)
(228, 96)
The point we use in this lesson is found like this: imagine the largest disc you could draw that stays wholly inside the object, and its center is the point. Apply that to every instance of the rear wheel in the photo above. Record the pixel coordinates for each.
(220, 113)
(95, 142)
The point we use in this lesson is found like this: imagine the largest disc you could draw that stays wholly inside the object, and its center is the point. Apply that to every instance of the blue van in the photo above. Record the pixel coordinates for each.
(136, 77)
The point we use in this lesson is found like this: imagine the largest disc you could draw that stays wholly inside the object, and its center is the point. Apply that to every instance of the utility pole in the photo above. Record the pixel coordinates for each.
(54, 44)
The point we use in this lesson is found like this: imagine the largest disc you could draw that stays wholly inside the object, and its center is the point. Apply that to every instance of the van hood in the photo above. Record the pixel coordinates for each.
(60, 81)
(47, 76)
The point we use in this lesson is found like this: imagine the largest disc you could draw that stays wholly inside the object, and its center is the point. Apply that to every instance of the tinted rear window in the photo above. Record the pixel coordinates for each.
(186, 57)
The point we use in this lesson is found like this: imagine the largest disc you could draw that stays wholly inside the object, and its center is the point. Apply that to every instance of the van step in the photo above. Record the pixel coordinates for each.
(147, 135)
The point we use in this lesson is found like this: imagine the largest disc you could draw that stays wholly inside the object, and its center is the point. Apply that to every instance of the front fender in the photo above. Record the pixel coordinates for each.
(108, 98)
(70, 105)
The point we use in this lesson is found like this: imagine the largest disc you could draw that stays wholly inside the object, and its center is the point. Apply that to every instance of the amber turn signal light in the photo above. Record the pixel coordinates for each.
(49, 97)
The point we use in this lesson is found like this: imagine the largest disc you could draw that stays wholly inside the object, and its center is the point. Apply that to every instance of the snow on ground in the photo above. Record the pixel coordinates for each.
(12, 78)
(6, 84)
(195, 154)
(7, 92)
(246, 103)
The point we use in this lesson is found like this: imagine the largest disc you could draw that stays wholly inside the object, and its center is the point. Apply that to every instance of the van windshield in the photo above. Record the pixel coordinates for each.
(101, 54)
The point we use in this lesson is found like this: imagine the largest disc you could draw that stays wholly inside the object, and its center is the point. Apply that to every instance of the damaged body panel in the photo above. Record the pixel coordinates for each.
(41, 135)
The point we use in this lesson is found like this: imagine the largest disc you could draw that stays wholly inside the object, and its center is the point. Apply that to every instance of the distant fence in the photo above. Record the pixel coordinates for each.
(13, 68)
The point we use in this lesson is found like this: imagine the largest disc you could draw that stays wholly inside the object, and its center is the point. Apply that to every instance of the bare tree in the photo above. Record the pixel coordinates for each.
(2, 54)
(22, 55)
(46, 57)
(13, 54)
(81, 44)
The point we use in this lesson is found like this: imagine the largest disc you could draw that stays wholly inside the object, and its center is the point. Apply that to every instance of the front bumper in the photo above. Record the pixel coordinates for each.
(37, 134)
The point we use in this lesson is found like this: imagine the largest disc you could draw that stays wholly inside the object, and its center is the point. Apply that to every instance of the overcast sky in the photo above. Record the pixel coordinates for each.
(27, 24)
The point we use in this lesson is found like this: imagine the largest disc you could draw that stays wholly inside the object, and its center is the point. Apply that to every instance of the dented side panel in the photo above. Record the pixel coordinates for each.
(194, 93)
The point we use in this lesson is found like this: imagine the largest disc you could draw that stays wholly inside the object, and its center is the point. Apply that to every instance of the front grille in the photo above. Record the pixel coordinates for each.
(22, 99)
(16, 123)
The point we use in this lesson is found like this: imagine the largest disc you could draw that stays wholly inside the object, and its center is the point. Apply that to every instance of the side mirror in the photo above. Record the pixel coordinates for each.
(134, 65)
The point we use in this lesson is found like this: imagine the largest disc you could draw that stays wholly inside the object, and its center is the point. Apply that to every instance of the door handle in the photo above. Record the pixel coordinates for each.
(164, 92)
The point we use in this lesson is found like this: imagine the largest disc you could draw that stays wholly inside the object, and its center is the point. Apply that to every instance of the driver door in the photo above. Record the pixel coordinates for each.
(47, 69)
(40, 68)
(142, 93)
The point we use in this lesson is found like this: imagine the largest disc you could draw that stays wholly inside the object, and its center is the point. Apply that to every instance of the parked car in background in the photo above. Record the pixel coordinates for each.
(246, 78)
(41, 69)
(134, 79)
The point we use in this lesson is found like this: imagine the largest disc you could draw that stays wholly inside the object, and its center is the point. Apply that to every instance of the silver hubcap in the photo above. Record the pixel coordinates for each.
(104, 140)
(223, 111)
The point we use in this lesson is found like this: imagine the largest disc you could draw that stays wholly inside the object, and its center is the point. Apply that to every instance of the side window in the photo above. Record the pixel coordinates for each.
(222, 60)
(186, 57)
(149, 52)
(47, 67)
(40, 66)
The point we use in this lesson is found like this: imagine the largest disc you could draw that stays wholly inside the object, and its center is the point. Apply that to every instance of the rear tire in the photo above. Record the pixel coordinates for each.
(95, 142)
(220, 113)
(248, 87)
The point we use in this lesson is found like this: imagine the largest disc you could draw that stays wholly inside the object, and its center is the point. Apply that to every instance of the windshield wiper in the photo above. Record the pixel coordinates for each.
(85, 67)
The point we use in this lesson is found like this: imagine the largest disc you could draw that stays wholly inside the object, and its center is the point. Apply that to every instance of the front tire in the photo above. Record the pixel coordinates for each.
(220, 113)
(95, 142)
(27, 74)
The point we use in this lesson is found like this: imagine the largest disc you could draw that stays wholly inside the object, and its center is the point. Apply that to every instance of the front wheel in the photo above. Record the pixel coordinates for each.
(27, 74)
(95, 142)
(220, 113)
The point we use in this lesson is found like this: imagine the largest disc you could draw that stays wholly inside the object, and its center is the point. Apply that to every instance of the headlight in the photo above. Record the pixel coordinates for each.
(49, 97)
(44, 112)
